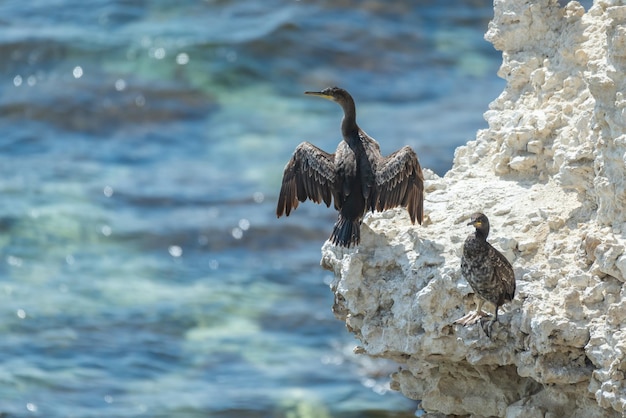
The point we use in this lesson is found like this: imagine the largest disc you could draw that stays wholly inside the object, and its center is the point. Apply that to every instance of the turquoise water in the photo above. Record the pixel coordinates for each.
(143, 271)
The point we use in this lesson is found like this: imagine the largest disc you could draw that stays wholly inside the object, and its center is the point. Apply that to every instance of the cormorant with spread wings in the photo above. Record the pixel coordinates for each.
(356, 177)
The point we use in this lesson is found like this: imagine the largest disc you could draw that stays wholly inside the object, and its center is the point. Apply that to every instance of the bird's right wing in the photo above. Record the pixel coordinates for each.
(309, 174)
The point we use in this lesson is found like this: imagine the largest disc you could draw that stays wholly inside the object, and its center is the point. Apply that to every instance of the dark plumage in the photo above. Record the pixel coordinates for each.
(487, 271)
(356, 177)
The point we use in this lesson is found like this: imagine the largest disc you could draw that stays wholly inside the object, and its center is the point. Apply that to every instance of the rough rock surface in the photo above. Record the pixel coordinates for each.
(549, 172)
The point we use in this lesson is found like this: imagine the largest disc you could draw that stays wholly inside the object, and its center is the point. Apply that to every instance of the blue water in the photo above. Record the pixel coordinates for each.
(143, 271)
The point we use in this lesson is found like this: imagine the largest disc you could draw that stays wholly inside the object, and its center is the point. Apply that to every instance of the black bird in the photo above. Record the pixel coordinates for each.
(487, 271)
(356, 177)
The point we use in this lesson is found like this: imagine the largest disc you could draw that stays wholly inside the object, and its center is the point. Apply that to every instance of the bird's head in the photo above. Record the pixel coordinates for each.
(480, 222)
(335, 94)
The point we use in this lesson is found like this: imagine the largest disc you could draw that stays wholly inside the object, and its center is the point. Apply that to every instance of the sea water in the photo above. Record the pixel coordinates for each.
(143, 271)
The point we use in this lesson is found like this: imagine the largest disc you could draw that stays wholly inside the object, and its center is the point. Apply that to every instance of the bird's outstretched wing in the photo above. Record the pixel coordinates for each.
(400, 182)
(309, 174)
(504, 272)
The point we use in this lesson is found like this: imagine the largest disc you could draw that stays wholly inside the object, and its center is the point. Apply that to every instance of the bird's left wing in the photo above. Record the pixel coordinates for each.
(504, 270)
(400, 182)
(309, 174)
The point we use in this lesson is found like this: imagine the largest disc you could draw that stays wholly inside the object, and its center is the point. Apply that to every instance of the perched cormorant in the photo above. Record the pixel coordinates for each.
(487, 271)
(357, 177)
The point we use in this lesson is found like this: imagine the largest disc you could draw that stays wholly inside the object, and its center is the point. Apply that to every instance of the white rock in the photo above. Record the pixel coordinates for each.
(557, 135)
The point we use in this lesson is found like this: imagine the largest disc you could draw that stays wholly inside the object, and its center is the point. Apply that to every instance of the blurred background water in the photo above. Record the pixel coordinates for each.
(143, 270)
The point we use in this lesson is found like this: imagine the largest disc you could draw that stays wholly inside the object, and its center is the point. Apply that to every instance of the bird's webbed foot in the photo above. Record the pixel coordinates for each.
(487, 326)
(471, 318)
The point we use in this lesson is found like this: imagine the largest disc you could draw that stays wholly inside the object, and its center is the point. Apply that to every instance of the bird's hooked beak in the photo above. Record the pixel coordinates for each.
(319, 94)
(476, 223)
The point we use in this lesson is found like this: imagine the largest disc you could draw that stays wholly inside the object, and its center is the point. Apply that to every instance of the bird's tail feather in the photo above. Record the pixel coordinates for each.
(346, 232)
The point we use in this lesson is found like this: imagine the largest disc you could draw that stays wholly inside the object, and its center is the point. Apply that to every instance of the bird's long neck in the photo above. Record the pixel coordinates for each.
(349, 128)
(482, 234)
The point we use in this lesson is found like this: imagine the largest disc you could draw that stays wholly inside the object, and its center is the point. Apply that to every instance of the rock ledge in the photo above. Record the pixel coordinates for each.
(549, 172)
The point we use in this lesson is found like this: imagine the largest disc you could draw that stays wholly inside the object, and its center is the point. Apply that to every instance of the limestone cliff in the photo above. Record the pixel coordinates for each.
(549, 172)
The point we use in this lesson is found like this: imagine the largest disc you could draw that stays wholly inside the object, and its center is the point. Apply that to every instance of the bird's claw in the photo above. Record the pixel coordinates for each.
(487, 326)
(471, 318)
